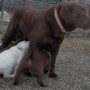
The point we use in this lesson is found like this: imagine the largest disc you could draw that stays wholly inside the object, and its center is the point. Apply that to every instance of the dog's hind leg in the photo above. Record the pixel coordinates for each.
(24, 65)
(37, 66)
(20, 71)
(39, 74)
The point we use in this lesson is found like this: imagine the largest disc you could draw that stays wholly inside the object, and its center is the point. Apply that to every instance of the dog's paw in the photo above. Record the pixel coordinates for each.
(52, 75)
(43, 85)
(15, 82)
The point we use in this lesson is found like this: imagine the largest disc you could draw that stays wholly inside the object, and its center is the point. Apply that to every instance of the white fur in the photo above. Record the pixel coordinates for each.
(5, 16)
(10, 59)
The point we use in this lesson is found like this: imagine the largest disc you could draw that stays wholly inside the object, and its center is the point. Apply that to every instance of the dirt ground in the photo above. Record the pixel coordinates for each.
(72, 67)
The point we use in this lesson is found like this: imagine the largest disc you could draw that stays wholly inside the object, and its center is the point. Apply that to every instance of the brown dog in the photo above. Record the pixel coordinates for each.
(43, 31)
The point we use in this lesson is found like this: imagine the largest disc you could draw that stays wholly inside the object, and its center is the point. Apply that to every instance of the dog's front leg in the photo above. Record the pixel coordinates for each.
(53, 60)
(52, 70)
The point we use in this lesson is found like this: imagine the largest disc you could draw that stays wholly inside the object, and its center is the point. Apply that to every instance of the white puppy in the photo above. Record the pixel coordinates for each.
(10, 59)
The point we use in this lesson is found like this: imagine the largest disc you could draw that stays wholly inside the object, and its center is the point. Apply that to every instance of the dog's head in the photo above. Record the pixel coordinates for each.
(23, 46)
(75, 13)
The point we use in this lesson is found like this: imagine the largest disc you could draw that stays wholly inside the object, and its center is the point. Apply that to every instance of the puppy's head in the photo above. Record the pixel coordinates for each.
(23, 46)
(75, 13)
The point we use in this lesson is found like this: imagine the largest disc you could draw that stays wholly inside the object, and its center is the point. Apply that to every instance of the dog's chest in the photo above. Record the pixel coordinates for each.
(51, 42)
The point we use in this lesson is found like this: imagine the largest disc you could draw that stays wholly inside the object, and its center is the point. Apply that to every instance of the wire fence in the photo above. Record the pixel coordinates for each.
(11, 5)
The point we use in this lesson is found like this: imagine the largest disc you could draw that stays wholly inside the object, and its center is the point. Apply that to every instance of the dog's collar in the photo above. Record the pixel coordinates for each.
(58, 21)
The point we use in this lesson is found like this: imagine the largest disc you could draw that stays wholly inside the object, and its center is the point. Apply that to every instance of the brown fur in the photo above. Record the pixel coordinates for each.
(37, 67)
(41, 28)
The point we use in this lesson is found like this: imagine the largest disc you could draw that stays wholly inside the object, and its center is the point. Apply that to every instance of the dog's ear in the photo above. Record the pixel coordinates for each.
(66, 12)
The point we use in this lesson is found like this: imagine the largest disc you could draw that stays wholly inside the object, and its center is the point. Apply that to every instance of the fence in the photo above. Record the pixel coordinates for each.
(11, 5)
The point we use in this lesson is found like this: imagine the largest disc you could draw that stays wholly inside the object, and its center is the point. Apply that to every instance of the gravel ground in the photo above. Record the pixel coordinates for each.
(72, 67)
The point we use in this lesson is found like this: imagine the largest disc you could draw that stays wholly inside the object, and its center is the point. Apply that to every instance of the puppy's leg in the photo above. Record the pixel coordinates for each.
(11, 75)
(15, 69)
(7, 73)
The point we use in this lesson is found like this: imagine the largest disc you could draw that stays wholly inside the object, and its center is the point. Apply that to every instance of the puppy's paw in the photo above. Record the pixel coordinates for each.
(12, 76)
(52, 75)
